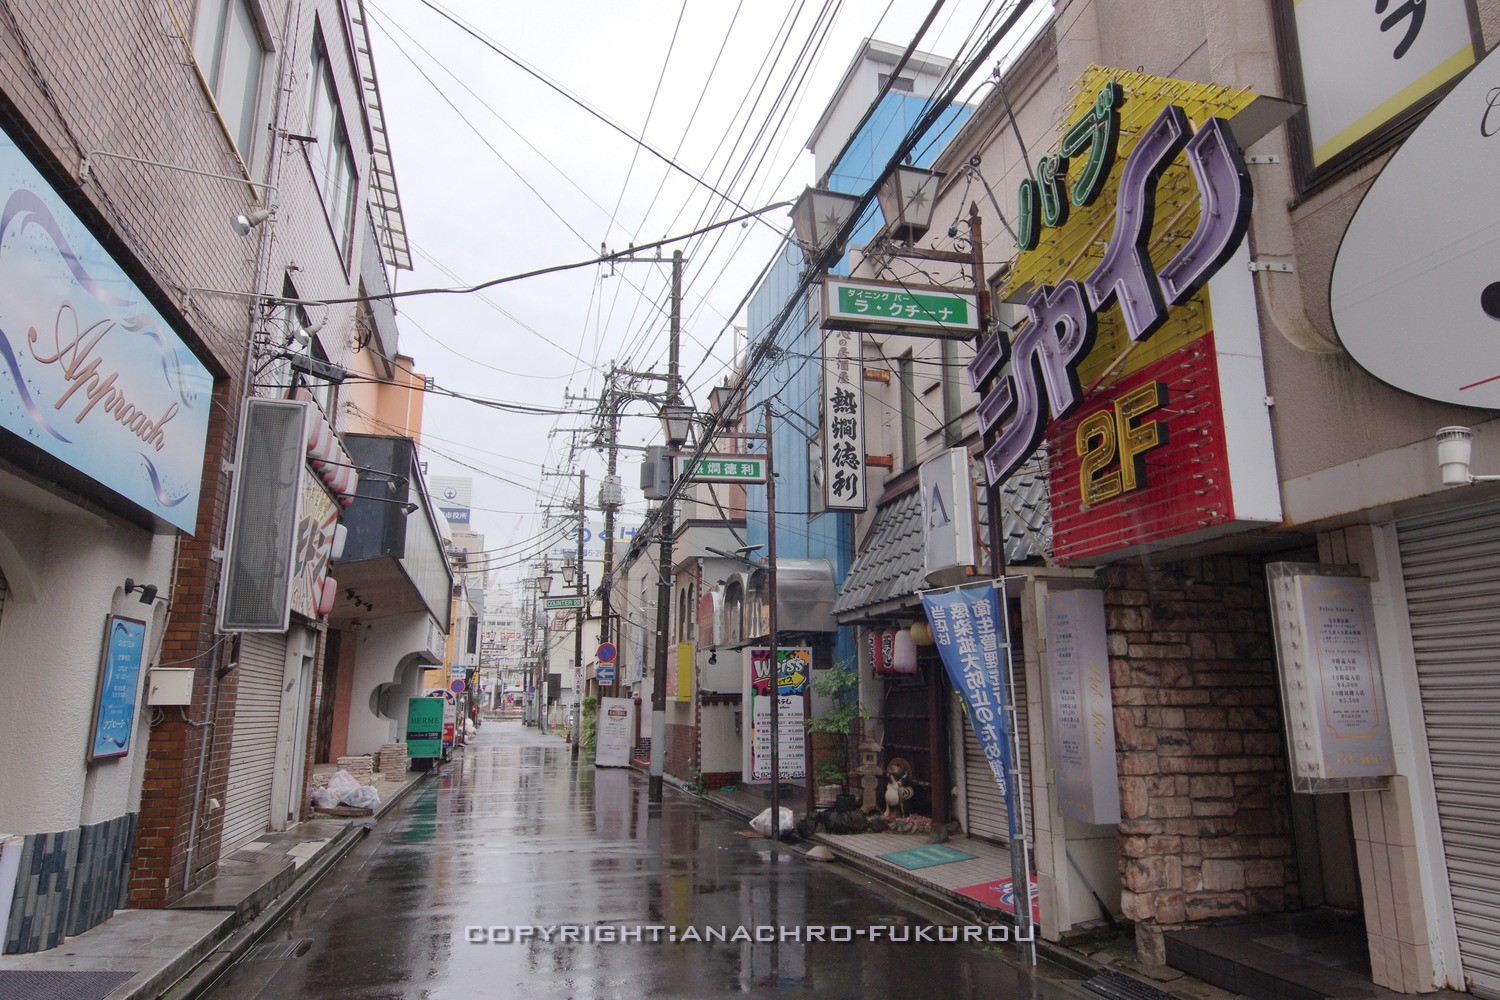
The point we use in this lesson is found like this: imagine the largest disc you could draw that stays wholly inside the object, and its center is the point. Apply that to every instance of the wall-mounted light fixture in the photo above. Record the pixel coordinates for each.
(148, 590)
(247, 221)
(1455, 447)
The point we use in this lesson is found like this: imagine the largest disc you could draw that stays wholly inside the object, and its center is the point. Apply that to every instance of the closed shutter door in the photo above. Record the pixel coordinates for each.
(252, 752)
(985, 802)
(1451, 562)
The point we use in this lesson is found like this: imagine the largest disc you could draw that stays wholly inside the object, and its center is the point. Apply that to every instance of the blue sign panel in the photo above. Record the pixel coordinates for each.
(119, 682)
(969, 628)
(604, 675)
(89, 372)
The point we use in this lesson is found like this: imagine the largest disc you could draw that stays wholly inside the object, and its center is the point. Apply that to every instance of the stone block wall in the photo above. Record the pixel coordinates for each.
(1205, 828)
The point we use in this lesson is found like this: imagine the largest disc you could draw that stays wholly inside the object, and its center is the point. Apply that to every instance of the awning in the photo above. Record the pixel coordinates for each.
(887, 572)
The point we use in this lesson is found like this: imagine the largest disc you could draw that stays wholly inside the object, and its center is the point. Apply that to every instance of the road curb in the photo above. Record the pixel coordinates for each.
(240, 940)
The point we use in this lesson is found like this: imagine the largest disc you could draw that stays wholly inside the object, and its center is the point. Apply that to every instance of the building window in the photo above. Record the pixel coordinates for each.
(331, 157)
(908, 410)
(903, 84)
(229, 51)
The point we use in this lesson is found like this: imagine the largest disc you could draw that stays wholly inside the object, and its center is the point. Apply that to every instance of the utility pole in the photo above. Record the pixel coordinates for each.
(610, 498)
(583, 613)
(774, 636)
(664, 566)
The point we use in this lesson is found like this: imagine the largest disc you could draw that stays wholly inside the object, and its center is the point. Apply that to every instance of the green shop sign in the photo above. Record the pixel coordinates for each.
(899, 307)
(424, 727)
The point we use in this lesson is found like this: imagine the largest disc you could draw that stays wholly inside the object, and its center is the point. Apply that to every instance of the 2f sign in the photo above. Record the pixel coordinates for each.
(1113, 443)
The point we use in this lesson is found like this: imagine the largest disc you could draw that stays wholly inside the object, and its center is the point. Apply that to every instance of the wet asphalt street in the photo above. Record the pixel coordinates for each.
(512, 837)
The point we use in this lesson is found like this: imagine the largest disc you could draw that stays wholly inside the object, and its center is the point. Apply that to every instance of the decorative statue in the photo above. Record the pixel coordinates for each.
(898, 787)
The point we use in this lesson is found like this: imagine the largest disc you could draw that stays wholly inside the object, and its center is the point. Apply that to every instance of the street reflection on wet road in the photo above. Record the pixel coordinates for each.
(455, 890)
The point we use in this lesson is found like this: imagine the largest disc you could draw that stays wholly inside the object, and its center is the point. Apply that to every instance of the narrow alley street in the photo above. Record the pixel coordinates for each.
(512, 837)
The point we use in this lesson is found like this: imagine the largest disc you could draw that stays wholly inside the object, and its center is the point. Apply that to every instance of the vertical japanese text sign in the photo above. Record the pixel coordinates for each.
(843, 422)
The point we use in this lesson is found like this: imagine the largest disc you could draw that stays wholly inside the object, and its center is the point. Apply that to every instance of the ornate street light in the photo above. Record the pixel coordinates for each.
(677, 423)
(907, 196)
(818, 216)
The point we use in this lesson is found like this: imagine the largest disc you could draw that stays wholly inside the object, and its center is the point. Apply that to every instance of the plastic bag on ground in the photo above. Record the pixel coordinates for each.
(341, 784)
(762, 823)
(363, 797)
(322, 798)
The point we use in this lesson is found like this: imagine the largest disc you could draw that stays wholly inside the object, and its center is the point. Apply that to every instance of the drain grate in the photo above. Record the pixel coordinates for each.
(26, 984)
(278, 951)
(1118, 986)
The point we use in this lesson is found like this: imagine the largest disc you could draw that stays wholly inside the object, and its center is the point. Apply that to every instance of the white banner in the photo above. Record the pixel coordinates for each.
(843, 422)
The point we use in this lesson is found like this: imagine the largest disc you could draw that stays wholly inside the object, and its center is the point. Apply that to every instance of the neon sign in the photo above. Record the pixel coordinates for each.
(1042, 382)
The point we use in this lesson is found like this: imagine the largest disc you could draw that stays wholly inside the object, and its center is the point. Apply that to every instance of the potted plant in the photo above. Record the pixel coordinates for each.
(839, 684)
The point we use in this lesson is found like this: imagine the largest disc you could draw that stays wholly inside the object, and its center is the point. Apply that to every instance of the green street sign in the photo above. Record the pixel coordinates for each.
(899, 307)
(561, 603)
(728, 469)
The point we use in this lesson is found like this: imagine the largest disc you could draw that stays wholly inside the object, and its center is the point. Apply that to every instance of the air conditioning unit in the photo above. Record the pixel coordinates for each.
(265, 504)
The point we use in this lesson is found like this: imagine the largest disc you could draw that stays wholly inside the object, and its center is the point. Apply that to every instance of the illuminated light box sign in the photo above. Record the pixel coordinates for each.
(899, 307)
(1152, 166)
(1415, 292)
(90, 372)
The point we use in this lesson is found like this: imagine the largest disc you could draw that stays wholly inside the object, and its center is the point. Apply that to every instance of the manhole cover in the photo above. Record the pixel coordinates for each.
(20, 984)
(278, 951)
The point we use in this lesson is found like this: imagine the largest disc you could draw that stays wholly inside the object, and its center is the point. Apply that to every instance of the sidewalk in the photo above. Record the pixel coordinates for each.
(141, 954)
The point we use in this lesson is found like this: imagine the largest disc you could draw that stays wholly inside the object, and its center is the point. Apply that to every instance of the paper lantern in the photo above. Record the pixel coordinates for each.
(921, 634)
(904, 658)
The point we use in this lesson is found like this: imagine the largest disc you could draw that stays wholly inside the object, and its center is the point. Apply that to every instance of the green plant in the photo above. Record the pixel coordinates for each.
(839, 684)
(695, 779)
(588, 726)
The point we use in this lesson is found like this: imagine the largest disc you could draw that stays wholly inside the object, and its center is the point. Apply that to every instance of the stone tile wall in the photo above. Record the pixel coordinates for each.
(1205, 828)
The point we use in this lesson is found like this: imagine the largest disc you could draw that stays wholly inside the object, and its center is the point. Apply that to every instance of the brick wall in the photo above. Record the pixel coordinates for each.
(170, 230)
(1205, 826)
(682, 751)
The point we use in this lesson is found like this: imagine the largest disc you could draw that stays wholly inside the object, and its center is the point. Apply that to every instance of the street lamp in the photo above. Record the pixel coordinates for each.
(819, 215)
(907, 196)
(676, 423)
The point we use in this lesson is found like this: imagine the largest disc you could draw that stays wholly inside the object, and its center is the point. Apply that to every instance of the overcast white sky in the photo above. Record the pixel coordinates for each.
(499, 174)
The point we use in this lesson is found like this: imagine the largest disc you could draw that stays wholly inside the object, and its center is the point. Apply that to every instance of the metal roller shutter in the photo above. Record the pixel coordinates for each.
(985, 804)
(1451, 562)
(252, 751)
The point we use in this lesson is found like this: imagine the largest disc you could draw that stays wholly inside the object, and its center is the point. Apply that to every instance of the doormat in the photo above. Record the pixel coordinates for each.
(926, 857)
(27, 984)
(1001, 895)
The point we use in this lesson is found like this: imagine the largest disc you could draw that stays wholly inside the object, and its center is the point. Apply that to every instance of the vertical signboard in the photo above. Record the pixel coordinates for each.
(424, 727)
(119, 685)
(949, 532)
(1338, 732)
(1082, 723)
(843, 422)
(616, 732)
(794, 667)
